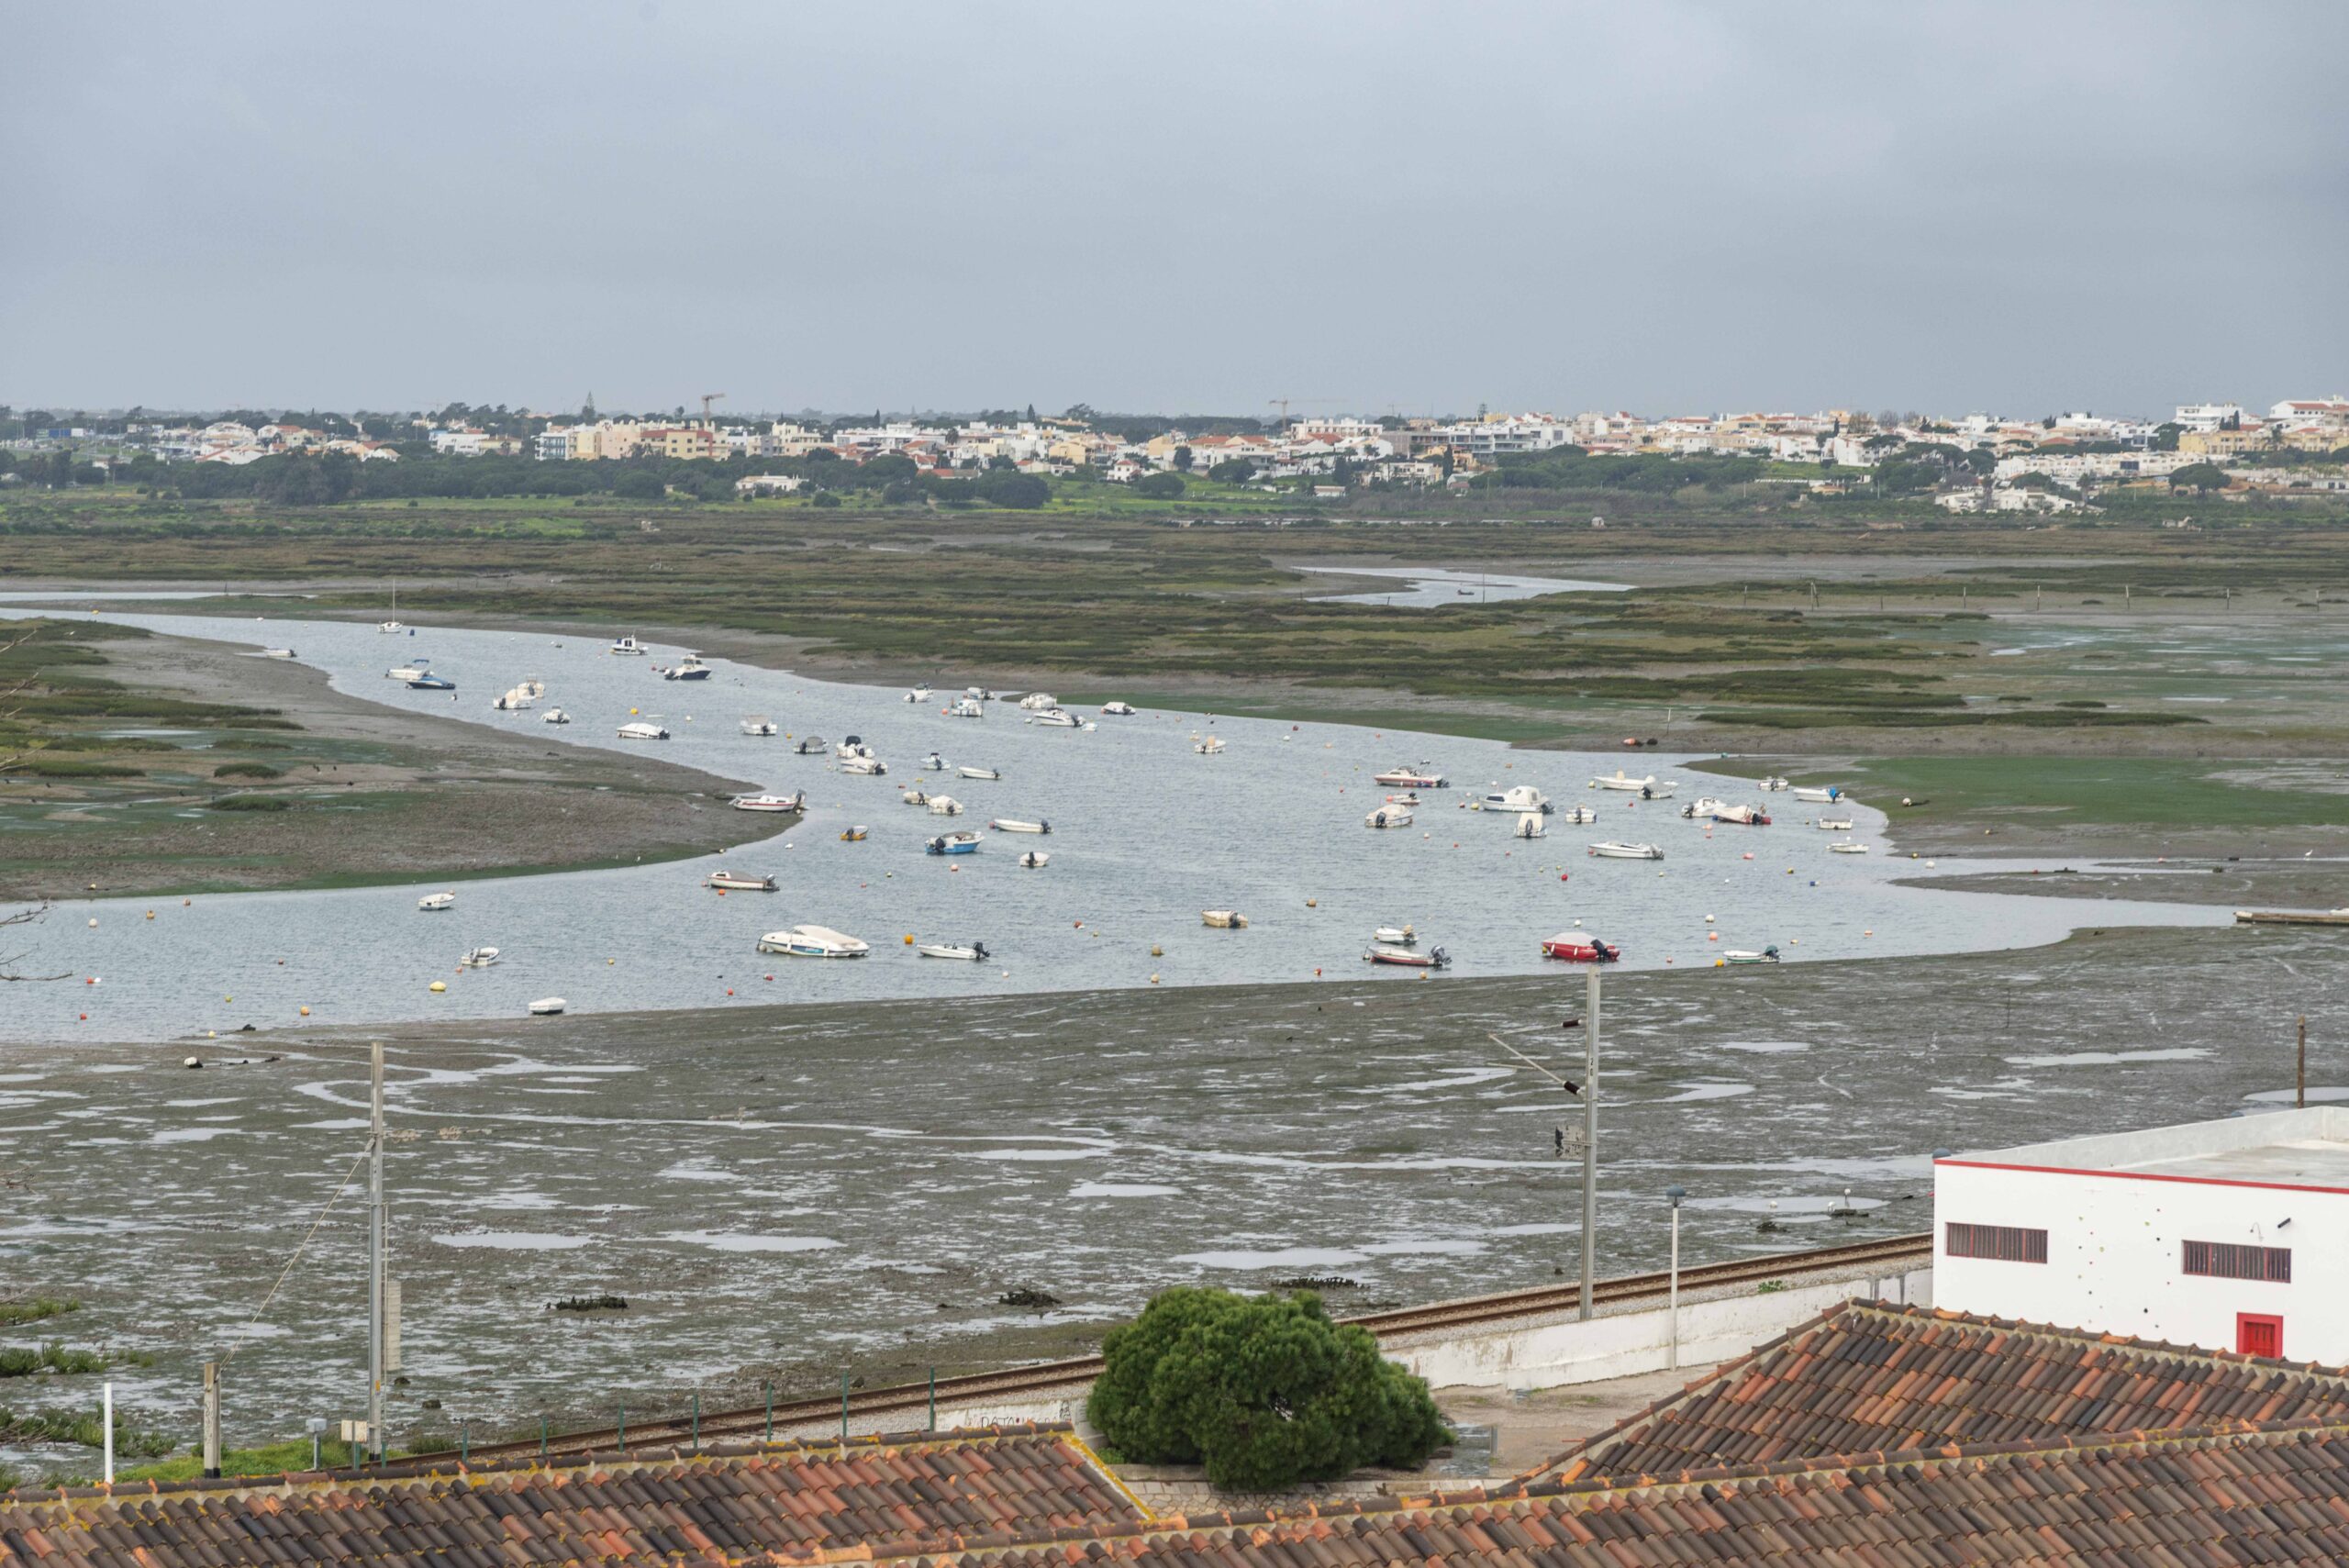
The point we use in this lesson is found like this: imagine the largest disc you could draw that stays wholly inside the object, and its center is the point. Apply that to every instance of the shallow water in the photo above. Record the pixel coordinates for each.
(1425, 587)
(1146, 834)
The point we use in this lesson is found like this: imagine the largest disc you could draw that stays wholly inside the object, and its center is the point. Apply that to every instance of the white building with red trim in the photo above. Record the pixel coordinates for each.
(2230, 1235)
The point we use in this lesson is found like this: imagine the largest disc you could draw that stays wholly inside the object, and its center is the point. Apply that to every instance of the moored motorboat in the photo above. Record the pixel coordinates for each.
(1409, 957)
(1834, 824)
(854, 745)
(547, 1006)
(1517, 797)
(760, 724)
(967, 707)
(392, 627)
(1707, 809)
(978, 773)
(1120, 708)
(918, 694)
(738, 882)
(514, 699)
(969, 953)
(1208, 745)
(856, 834)
(1648, 788)
(555, 716)
(810, 746)
(1773, 783)
(813, 941)
(943, 806)
(1580, 947)
(795, 802)
(429, 682)
(1613, 850)
(1421, 777)
(1578, 815)
(915, 797)
(1038, 702)
(1055, 718)
(414, 671)
(1015, 825)
(1739, 955)
(689, 668)
(478, 958)
(1224, 919)
(1529, 825)
(1395, 936)
(628, 644)
(433, 901)
(1388, 816)
(962, 843)
(1034, 859)
(934, 762)
(866, 767)
(642, 729)
(1819, 794)
(1848, 847)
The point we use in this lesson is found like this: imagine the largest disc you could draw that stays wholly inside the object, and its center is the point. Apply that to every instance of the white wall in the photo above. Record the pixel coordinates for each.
(2115, 1256)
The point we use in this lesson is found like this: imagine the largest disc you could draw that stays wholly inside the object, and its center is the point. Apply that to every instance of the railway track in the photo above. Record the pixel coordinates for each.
(715, 1426)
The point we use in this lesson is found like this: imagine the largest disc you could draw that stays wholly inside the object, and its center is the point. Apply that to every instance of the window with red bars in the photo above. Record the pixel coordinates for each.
(1999, 1244)
(2230, 1260)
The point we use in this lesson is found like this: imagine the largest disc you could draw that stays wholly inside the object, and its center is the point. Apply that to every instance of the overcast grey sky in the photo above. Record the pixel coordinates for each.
(1660, 206)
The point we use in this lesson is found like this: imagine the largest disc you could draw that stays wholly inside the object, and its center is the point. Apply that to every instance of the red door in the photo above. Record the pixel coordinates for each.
(2257, 1334)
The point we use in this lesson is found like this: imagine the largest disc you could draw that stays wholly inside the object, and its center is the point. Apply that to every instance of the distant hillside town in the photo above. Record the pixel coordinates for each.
(1975, 462)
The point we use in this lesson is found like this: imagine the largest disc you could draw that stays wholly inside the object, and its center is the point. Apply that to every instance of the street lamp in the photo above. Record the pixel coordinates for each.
(1674, 1195)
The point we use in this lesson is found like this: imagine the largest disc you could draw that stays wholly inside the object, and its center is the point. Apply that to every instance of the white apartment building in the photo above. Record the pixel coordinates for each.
(2209, 416)
(1515, 433)
(2232, 1235)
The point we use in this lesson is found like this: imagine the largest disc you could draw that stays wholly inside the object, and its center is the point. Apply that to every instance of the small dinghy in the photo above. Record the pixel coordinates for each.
(555, 716)
(978, 773)
(547, 1006)
(944, 806)
(1034, 859)
(811, 746)
(1529, 825)
(1774, 784)
(1208, 745)
(864, 767)
(1122, 709)
(915, 797)
(1224, 919)
(1013, 825)
(771, 802)
(435, 901)
(478, 958)
(1406, 799)
(976, 952)
(964, 843)
(1833, 824)
(1736, 955)
(1826, 795)
(1388, 816)
(1848, 847)
(738, 882)
(1613, 850)
(856, 835)
(918, 694)
(1581, 947)
(1395, 936)
(759, 724)
(813, 941)
(1409, 957)
(1579, 817)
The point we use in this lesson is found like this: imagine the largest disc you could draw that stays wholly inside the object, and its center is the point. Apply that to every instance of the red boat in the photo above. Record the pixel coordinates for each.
(1580, 947)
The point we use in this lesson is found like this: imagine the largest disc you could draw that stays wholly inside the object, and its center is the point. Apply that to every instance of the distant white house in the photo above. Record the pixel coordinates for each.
(767, 484)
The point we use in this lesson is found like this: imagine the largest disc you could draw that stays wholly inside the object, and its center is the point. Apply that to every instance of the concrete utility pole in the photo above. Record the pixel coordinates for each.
(1589, 1142)
(377, 1215)
(212, 1420)
(2300, 1097)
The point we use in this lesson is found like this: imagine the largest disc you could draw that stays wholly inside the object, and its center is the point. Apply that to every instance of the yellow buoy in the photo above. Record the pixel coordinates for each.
(150, 914)
(440, 985)
(306, 1012)
(1313, 904)
(909, 939)
(1157, 951)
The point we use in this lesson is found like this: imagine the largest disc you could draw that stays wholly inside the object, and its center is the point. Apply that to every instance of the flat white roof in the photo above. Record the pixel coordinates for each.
(2307, 1149)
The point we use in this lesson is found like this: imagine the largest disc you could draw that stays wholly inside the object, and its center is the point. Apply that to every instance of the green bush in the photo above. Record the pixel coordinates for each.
(1159, 487)
(247, 771)
(1265, 1391)
(249, 802)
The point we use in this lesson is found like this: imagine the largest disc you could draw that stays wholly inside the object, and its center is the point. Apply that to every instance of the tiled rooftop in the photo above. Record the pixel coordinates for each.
(1868, 1378)
(799, 1500)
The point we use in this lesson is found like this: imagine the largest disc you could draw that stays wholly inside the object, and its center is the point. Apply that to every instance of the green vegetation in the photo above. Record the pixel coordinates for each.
(250, 803)
(63, 1427)
(34, 1309)
(17, 1361)
(1265, 1390)
(248, 771)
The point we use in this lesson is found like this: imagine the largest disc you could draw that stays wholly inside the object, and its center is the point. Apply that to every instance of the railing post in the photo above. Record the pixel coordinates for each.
(769, 1386)
(464, 1442)
(696, 1420)
(843, 1406)
(623, 1429)
(542, 1437)
(933, 1401)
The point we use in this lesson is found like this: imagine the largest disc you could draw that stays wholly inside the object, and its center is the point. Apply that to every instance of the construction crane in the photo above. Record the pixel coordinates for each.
(1282, 404)
(706, 399)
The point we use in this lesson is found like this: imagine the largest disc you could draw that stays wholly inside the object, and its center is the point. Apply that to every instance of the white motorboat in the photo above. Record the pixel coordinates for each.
(1707, 809)
(943, 806)
(390, 627)
(738, 882)
(1055, 718)
(915, 797)
(1613, 850)
(760, 724)
(555, 716)
(1034, 859)
(811, 746)
(1739, 955)
(1848, 847)
(852, 746)
(796, 802)
(414, 671)
(642, 729)
(864, 767)
(1773, 783)
(978, 773)
(1421, 777)
(965, 842)
(812, 941)
(978, 693)
(1578, 815)
(1517, 797)
(1819, 794)
(1529, 825)
(1224, 919)
(1014, 825)
(547, 1006)
(277, 653)
(1405, 798)
(1395, 936)
(628, 644)
(934, 762)
(918, 694)
(1388, 816)
(1648, 788)
(967, 707)
(533, 687)
(478, 958)
(1834, 824)
(689, 668)
(513, 700)
(432, 901)
(1038, 702)
(974, 952)
(1208, 745)
(1121, 710)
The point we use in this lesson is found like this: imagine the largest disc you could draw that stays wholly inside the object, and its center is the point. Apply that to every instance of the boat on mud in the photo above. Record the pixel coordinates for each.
(964, 843)
(1421, 777)
(1613, 849)
(813, 941)
(547, 1006)
(796, 802)
(1580, 947)
(642, 729)
(1819, 794)
(738, 882)
(1409, 957)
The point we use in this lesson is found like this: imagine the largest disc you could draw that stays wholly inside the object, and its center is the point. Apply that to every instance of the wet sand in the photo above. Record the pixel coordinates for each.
(792, 1193)
(378, 793)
